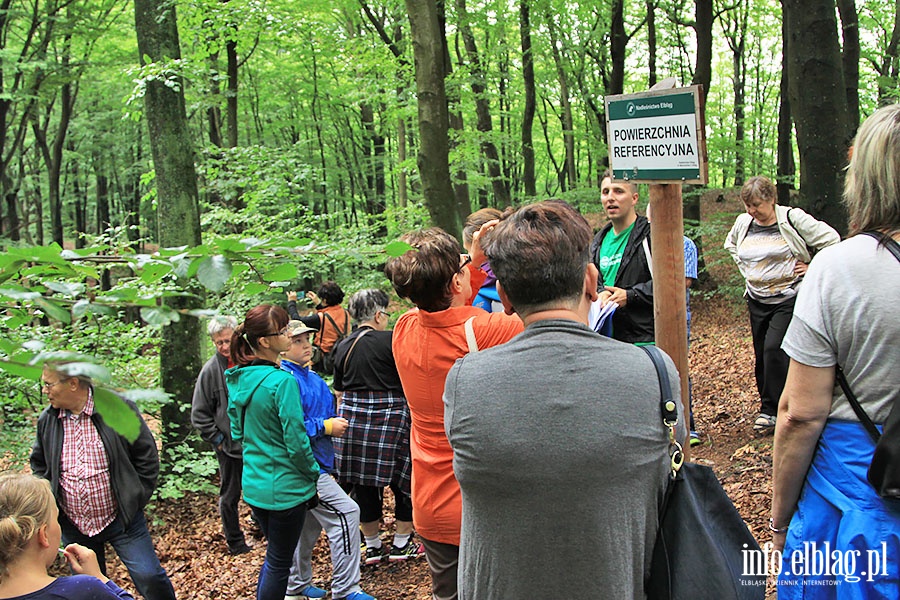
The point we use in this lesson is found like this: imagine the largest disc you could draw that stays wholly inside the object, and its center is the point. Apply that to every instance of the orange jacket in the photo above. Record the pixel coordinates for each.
(425, 346)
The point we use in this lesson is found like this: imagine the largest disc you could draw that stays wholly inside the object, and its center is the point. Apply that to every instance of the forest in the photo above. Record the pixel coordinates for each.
(161, 161)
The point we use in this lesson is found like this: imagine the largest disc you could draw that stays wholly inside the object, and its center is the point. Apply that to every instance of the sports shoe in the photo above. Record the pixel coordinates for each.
(373, 556)
(412, 549)
(310, 592)
(358, 596)
(764, 423)
(695, 438)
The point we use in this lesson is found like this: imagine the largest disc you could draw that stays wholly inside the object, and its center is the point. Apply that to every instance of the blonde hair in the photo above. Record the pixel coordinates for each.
(26, 504)
(872, 185)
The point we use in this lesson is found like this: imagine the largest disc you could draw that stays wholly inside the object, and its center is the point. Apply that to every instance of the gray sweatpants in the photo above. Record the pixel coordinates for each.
(338, 514)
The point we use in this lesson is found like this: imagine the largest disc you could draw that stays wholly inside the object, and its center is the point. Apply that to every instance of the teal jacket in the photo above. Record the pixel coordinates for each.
(266, 416)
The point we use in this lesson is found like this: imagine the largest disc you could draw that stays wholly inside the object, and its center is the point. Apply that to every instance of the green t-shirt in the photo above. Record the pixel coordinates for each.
(611, 250)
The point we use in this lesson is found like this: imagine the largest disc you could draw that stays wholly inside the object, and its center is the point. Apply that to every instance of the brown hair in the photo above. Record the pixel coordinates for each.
(259, 322)
(759, 187)
(26, 502)
(539, 254)
(425, 273)
(476, 220)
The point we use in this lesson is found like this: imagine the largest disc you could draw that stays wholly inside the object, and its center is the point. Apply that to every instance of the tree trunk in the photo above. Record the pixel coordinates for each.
(651, 42)
(231, 96)
(618, 42)
(786, 169)
(703, 16)
(178, 206)
(818, 105)
(567, 176)
(433, 159)
(850, 61)
(213, 113)
(528, 175)
(484, 122)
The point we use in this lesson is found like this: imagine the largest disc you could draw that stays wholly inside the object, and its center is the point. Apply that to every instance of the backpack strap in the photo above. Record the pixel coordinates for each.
(646, 244)
(350, 351)
(470, 335)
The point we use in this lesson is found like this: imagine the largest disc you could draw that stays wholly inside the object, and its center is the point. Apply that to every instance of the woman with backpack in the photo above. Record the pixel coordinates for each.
(331, 322)
(845, 320)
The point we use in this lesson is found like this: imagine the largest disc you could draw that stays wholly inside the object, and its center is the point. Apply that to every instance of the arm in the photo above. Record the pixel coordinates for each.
(802, 412)
(731, 240)
(144, 457)
(203, 408)
(817, 234)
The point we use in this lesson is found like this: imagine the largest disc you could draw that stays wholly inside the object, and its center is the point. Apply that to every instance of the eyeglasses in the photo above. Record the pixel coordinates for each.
(43, 385)
(386, 314)
(466, 259)
(282, 332)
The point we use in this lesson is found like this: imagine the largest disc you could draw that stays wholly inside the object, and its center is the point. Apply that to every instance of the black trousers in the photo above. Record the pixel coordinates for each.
(768, 324)
(230, 470)
(371, 499)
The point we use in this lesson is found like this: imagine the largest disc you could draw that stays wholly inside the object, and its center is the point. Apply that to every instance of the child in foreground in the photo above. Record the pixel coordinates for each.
(29, 543)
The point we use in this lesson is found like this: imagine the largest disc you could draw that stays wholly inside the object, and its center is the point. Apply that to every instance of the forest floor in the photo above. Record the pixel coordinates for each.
(192, 549)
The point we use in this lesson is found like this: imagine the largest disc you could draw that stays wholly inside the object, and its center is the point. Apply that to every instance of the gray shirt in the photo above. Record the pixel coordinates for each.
(562, 458)
(846, 314)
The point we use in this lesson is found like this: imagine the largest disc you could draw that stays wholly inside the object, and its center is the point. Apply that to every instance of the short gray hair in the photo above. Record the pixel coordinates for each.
(220, 323)
(364, 304)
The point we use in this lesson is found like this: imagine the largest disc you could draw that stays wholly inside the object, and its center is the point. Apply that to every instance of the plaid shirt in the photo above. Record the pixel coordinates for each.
(87, 497)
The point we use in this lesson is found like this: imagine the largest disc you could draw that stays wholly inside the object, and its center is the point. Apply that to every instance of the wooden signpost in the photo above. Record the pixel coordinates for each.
(658, 137)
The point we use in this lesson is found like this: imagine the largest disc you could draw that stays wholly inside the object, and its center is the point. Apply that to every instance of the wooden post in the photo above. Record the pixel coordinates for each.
(669, 309)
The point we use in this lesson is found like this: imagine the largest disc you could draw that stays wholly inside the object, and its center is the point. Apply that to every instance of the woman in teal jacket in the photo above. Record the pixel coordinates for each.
(266, 415)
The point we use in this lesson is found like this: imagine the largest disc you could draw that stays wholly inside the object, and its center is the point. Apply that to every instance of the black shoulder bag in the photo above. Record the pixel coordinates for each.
(703, 548)
(884, 470)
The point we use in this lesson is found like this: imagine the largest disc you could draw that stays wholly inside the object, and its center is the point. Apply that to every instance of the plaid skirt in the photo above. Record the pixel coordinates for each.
(374, 451)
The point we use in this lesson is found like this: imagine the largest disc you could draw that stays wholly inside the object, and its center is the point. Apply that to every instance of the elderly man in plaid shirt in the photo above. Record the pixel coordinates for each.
(101, 480)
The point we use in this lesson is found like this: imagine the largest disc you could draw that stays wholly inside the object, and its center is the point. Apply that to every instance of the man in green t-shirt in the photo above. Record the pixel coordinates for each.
(624, 271)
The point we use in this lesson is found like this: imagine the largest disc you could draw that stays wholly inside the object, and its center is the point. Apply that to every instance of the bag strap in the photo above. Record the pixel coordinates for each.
(333, 324)
(470, 335)
(646, 244)
(857, 408)
(352, 346)
(667, 406)
(887, 241)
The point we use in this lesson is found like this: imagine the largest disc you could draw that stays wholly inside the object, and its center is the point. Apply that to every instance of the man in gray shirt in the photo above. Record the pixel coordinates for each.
(557, 436)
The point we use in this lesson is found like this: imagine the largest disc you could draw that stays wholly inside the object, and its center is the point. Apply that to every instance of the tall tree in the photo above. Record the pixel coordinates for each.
(850, 60)
(528, 178)
(434, 146)
(178, 204)
(818, 105)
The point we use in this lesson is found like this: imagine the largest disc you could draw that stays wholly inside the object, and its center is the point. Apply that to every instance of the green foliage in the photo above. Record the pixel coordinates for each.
(189, 470)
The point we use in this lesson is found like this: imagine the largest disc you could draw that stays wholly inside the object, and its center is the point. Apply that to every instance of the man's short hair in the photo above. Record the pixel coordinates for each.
(219, 324)
(626, 182)
(539, 254)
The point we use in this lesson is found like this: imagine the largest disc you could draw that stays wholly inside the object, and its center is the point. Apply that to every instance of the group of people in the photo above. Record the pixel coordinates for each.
(501, 432)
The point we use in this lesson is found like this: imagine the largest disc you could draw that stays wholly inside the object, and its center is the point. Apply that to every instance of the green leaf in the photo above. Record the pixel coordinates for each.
(159, 315)
(117, 414)
(213, 272)
(397, 248)
(154, 271)
(19, 293)
(154, 395)
(69, 289)
(252, 289)
(26, 371)
(54, 310)
(281, 272)
(88, 369)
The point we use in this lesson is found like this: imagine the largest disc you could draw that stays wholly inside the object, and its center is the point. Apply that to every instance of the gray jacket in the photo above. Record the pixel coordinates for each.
(133, 467)
(209, 406)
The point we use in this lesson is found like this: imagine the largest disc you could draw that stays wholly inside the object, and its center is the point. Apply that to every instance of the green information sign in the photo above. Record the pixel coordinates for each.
(657, 136)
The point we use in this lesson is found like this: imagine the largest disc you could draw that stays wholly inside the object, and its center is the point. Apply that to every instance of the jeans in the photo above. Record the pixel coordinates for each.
(135, 549)
(282, 530)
